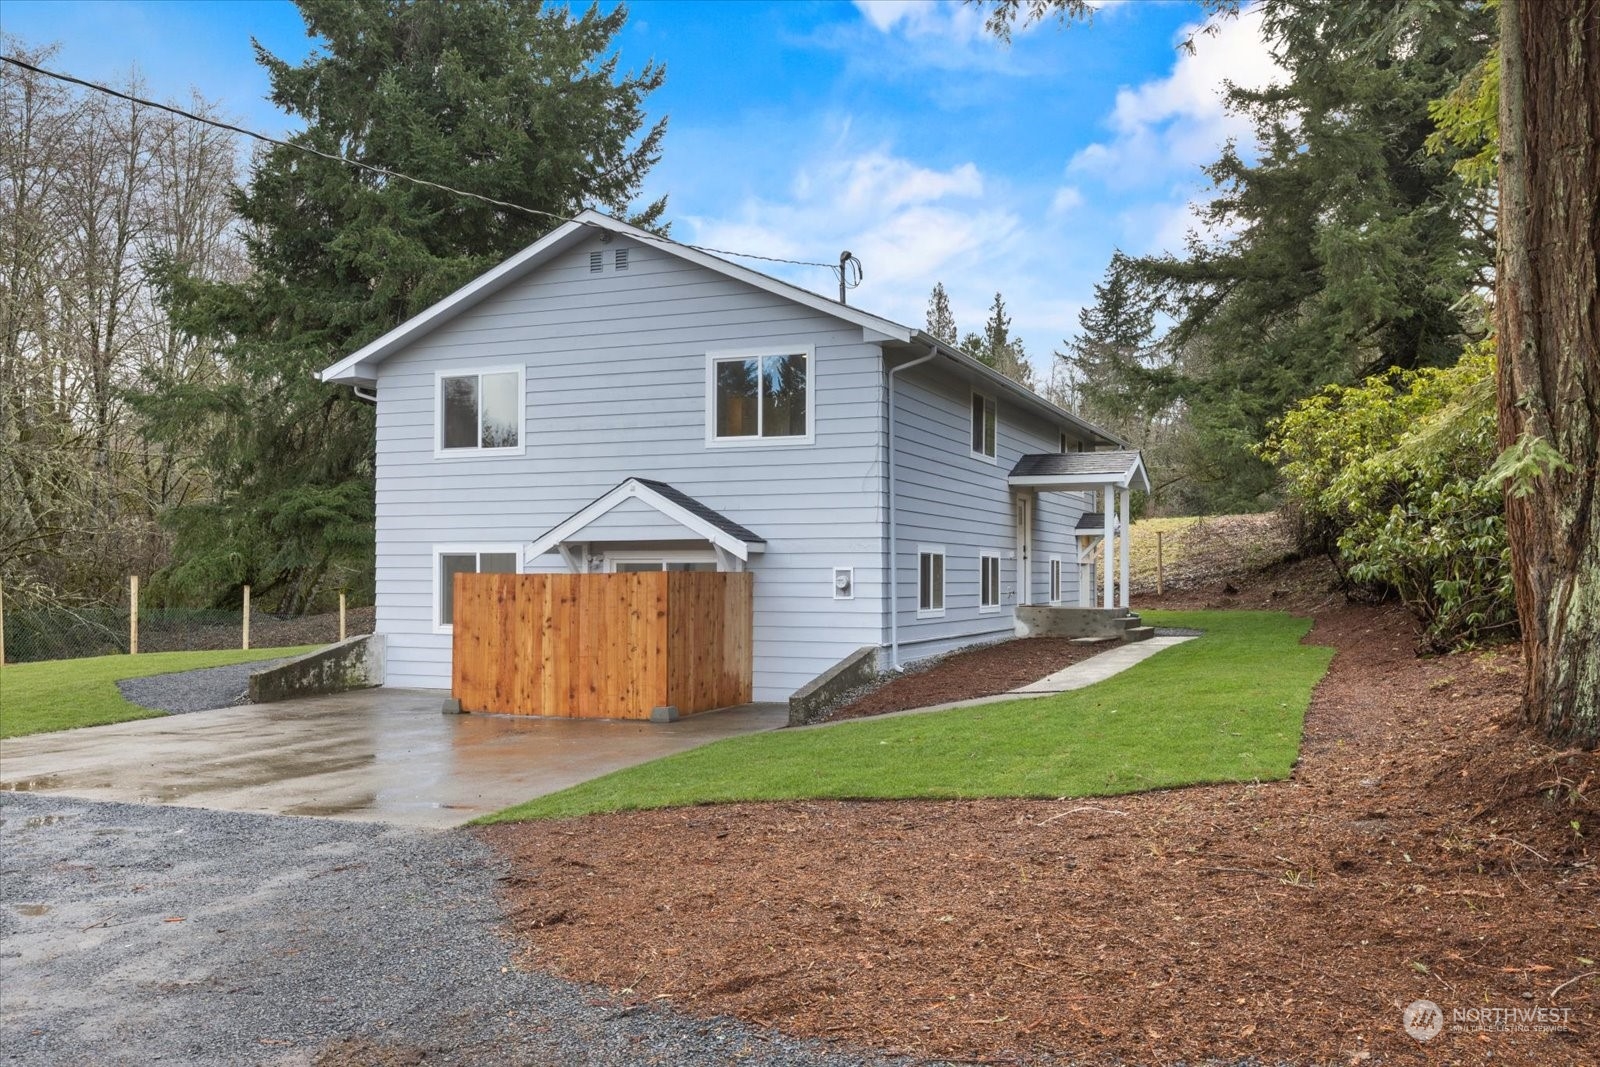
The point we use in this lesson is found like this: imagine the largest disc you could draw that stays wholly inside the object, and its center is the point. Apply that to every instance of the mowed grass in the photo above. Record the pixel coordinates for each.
(1225, 707)
(36, 698)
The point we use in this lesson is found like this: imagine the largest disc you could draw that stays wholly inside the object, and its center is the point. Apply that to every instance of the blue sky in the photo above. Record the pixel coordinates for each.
(894, 128)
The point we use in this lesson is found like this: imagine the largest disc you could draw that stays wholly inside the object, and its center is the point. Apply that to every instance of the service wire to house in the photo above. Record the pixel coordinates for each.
(385, 172)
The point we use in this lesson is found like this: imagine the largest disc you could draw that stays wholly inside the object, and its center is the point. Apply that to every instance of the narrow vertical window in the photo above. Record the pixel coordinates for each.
(1055, 580)
(983, 425)
(930, 583)
(989, 582)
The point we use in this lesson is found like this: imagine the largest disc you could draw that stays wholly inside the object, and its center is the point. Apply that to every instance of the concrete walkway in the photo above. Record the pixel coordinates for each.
(380, 755)
(1080, 675)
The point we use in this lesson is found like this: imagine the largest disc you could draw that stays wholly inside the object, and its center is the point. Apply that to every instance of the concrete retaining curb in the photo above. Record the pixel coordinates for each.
(353, 664)
(857, 669)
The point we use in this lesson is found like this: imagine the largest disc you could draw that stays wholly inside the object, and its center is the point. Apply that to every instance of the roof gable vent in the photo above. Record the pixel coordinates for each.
(622, 259)
(597, 262)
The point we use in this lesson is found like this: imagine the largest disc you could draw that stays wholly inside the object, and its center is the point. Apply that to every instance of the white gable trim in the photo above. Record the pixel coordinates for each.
(360, 366)
(633, 489)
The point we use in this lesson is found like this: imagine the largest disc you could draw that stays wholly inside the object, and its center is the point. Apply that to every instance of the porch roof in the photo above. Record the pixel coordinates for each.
(696, 518)
(1080, 470)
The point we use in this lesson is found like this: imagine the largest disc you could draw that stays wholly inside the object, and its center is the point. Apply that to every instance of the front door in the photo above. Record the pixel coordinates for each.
(1024, 550)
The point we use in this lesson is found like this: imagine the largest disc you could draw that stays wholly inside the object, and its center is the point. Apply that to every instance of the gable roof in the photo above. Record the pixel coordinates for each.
(678, 506)
(360, 367)
(1069, 470)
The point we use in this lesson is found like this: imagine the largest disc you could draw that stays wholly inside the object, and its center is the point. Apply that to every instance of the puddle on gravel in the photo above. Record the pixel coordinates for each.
(29, 785)
(32, 910)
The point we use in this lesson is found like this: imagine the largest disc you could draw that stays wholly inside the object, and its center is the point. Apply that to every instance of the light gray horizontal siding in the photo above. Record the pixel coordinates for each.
(948, 497)
(616, 387)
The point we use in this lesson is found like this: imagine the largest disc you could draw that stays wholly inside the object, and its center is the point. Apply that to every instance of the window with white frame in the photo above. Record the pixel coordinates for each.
(930, 583)
(989, 582)
(465, 559)
(984, 424)
(1055, 579)
(480, 411)
(760, 397)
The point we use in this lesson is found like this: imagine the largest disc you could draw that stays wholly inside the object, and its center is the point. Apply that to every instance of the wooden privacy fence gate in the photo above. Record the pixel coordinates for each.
(613, 646)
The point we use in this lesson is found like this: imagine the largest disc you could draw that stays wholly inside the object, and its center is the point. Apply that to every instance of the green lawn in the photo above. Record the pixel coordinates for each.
(1225, 707)
(64, 694)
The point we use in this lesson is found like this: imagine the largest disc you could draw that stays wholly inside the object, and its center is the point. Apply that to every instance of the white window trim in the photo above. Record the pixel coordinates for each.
(1057, 579)
(660, 555)
(715, 356)
(520, 448)
(984, 456)
(461, 550)
(999, 596)
(944, 576)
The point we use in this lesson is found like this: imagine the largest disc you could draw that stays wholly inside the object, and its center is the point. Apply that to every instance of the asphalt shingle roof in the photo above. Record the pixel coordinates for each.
(716, 518)
(1068, 464)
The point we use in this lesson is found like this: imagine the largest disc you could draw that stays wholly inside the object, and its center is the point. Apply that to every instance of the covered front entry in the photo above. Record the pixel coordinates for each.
(1109, 478)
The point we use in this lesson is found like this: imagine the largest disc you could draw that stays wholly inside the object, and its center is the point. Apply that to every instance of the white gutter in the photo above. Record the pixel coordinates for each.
(894, 548)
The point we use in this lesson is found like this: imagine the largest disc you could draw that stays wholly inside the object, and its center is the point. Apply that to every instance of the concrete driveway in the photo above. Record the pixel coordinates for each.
(382, 755)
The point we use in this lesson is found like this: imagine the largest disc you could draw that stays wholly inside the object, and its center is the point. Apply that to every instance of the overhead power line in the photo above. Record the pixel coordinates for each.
(384, 172)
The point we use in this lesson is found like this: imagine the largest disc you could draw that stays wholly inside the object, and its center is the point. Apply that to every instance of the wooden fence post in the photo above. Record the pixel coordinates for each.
(1160, 583)
(246, 644)
(133, 614)
(341, 615)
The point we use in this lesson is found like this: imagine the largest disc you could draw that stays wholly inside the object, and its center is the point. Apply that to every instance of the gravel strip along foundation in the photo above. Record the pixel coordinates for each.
(136, 935)
(201, 690)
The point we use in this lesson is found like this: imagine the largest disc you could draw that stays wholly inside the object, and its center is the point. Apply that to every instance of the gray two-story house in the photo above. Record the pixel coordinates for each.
(610, 400)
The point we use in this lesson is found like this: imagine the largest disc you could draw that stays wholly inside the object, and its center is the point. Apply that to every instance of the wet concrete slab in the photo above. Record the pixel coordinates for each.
(381, 755)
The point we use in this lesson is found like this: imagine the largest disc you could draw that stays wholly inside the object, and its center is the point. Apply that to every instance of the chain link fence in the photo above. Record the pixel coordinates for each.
(71, 632)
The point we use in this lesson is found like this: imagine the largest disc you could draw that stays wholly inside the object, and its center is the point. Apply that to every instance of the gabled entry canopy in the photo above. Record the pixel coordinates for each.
(659, 501)
(1080, 470)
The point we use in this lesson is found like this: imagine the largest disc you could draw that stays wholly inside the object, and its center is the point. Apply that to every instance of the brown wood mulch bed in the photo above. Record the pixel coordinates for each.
(1428, 847)
(977, 672)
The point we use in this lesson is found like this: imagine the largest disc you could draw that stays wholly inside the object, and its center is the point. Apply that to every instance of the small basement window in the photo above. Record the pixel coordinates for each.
(930, 583)
(449, 562)
(983, 426)
(989, 582)
(481, 411)
(760, 398)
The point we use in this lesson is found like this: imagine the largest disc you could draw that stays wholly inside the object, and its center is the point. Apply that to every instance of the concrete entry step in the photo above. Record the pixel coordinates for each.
(1139, 633)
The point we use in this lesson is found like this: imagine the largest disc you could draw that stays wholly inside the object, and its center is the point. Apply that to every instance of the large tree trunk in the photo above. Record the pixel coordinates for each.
(1548, 318)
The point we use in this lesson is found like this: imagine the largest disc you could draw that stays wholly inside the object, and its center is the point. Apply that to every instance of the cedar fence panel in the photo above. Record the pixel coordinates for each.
(601, 645)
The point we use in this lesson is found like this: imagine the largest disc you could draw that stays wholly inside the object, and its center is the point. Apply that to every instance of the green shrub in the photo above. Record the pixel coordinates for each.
(1391, 477)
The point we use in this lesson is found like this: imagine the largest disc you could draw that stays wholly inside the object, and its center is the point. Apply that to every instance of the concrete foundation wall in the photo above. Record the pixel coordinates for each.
(353, 664)
(1041, 621)
(857, 669)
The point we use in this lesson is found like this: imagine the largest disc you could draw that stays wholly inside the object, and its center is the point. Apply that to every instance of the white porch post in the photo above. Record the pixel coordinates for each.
(1123, 511)
(1110, 543)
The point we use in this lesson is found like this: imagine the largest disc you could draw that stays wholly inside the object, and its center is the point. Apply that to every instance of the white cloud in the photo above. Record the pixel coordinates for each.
(924, 18)
(913, 225)
(1170, 126)
(1067, 199)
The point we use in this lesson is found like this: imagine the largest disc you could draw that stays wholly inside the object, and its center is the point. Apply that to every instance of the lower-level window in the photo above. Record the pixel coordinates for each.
(464, 559)
(930, 582)
(989, 581)
(1055, 580)
(638, 566)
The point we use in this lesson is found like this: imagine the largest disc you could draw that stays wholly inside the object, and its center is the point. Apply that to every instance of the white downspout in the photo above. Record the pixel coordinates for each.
(894, 547)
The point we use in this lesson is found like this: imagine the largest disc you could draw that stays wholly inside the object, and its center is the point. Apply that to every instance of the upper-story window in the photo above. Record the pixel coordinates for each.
(760, 397)
(480, 411)
(984, 424)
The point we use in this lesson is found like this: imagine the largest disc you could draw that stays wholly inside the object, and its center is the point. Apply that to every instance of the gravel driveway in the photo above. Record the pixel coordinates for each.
(137, 934)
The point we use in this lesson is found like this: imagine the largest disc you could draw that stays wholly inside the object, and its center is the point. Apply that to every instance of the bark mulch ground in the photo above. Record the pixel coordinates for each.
(1428, 847)
(978, 672)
